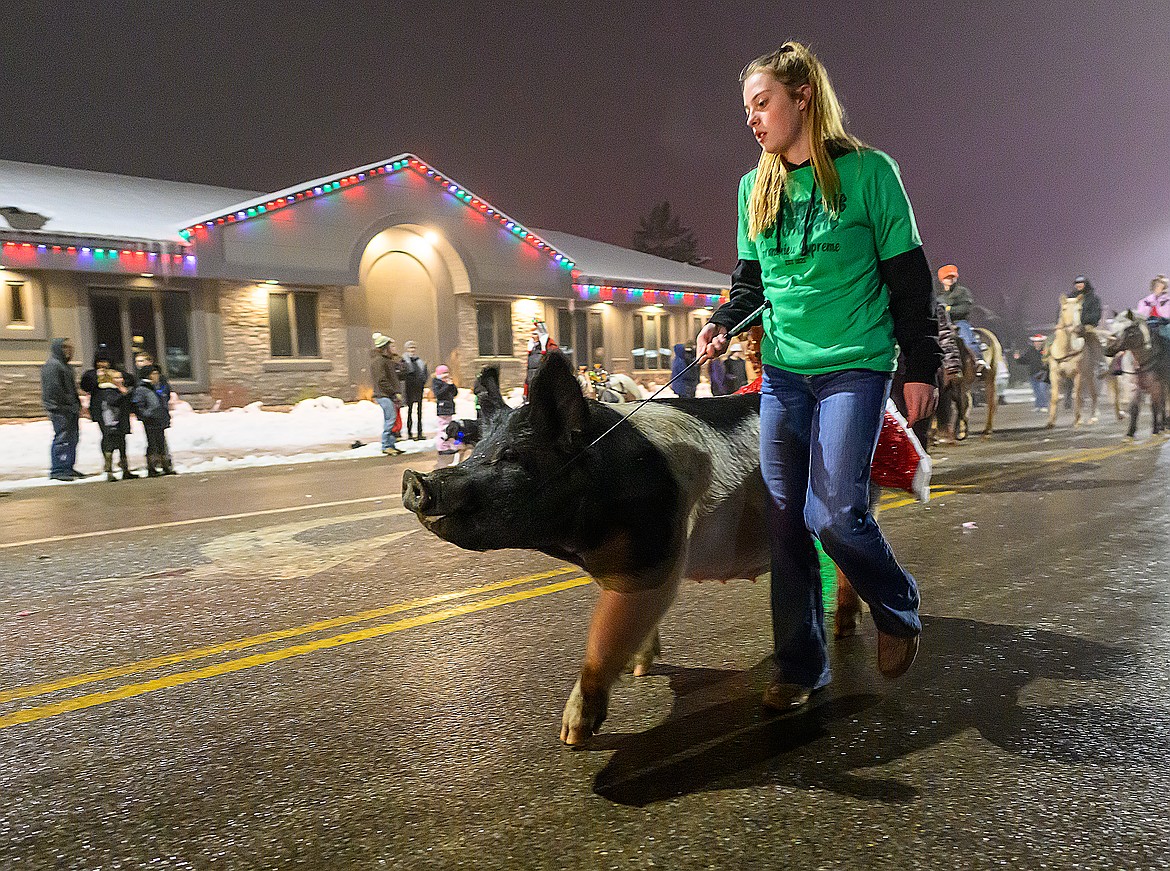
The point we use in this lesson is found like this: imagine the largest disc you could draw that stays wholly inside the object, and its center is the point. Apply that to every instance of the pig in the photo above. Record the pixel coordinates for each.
(675, 492)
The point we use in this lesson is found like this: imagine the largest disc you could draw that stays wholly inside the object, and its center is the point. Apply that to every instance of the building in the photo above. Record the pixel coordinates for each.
(244, 296)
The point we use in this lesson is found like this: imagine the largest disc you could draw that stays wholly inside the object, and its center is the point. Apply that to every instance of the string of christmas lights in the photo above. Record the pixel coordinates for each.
(644, 295)
(405, 163)
(23, 253)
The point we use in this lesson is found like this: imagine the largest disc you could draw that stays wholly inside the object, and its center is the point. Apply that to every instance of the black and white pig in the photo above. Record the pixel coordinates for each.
(675, 493)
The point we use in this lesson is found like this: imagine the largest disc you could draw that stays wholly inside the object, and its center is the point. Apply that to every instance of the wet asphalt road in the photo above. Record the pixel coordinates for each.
(312, 685)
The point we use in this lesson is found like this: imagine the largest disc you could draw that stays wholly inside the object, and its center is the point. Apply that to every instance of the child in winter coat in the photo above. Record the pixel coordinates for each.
(443, 386)
(151, 399)
(113, 400)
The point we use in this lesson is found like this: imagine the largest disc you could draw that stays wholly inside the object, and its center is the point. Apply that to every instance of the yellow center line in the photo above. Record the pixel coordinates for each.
(266, 637)
(31, 715)
(195, 520)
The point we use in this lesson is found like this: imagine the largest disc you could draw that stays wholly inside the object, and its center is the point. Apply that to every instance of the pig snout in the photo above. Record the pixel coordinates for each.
(416, 496)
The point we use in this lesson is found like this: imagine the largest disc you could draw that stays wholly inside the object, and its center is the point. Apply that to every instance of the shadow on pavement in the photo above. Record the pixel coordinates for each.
(968, 675)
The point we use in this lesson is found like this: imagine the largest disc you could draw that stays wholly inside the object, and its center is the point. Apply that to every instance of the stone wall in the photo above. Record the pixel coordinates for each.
(20, 385)
(247, 371)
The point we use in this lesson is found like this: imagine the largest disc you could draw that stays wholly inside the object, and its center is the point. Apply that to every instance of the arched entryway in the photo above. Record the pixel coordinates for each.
(409, 276)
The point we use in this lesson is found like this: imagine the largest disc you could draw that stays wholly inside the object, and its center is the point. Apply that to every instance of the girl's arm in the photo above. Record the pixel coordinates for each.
(915, 327)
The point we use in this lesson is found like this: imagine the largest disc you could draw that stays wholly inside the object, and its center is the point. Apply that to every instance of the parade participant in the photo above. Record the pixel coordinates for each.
(1155, 307)
(414, 382)
(384, 367)
(1090, 302)
(63, 405)
(539, 344)
(828, 243)
(958, 302)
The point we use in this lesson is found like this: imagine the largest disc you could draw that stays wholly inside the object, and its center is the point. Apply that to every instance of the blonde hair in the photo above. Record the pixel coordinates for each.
(794, 65)
(1158, 279)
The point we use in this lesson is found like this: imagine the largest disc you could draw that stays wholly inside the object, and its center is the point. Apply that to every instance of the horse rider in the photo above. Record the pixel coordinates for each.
(1155, 307)
(959, 302)
(1082, 289)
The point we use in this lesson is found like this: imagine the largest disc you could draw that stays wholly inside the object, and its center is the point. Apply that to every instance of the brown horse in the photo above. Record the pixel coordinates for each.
(1152, 359)
(1075, 355)
(954, 402)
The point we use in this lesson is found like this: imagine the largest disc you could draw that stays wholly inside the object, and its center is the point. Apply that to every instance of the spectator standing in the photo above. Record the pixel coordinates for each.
(151, 399)
(1032, 360)
(684, 386)
(63, 405)
(717, 372)
(539, 344)
(443, 386)
(114, 402)
(102, 360)
(414, 382)
(385, 364)
(736, 367)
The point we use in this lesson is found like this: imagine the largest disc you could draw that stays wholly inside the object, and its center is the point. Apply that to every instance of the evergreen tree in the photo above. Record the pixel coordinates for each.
(662, 234)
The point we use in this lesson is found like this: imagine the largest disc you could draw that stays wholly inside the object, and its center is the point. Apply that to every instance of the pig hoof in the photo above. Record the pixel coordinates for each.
(582, 718)
(643, 660)
(847, 622)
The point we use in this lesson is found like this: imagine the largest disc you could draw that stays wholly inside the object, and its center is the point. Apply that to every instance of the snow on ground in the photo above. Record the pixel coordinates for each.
(312, 431)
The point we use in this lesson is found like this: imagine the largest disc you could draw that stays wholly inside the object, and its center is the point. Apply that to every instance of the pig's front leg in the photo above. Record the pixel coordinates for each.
(621, 622)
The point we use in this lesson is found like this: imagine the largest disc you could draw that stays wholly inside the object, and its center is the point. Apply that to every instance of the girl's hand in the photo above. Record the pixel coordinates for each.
(711, 341)
(921, 400)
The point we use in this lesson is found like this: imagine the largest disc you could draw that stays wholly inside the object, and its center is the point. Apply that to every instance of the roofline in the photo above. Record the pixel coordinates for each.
(327, 184)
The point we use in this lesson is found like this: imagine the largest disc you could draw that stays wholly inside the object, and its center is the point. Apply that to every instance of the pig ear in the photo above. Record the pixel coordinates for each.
(557, 407)
(487, 391)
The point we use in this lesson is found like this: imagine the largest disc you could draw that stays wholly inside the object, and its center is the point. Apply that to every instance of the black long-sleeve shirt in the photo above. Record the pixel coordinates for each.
(911, 306)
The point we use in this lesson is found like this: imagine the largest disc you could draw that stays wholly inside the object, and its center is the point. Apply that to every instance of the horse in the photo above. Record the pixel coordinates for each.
(1075, 354)
(1152, 358)
(954, 404)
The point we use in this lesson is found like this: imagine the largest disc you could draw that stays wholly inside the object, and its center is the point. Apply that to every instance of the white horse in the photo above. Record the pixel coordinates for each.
(1075, 354)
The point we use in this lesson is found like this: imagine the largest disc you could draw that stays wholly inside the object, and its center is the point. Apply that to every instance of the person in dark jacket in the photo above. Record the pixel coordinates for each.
(151, 400)
(414, 382)
(1090, 302)
(685, 386)
(385, 366)
(539, 344)
(737, 375)
(114, 404)
(102, 360)
(717, 372)
(61, 402)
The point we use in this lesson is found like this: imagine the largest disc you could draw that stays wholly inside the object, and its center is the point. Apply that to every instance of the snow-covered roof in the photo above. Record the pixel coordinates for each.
(79, 202)
(600, 262)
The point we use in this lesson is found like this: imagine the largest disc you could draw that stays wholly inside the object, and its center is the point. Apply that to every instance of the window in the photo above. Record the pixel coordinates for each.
(292, 324)
(493, 322)
(17, 308)
(157, 322)
(651, 341)
(580, 337)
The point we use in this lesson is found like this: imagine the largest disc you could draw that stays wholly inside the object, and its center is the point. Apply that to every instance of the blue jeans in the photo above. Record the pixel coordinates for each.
(390, 413)
(817, 438)
(63, 453)
(1040, 390)
(967, 333)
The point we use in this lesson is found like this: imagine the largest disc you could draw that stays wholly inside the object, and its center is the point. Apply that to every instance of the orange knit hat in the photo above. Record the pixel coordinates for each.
(948, 271)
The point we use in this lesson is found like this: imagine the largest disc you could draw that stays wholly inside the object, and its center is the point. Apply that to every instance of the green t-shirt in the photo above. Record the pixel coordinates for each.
(830, 309)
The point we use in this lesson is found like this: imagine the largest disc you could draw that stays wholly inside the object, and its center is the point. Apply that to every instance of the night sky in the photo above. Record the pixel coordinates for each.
(1034, 138)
